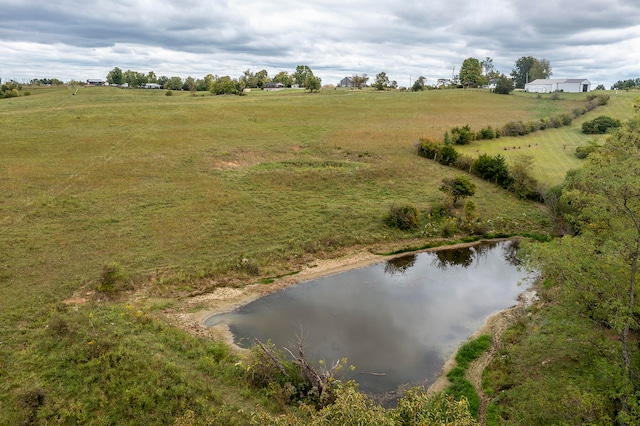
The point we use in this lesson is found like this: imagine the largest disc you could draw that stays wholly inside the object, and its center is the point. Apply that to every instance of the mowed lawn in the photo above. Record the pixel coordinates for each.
(191, 184)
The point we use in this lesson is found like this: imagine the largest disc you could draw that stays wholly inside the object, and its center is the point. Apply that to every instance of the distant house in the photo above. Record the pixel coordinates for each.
(272, 86)
(548, 85)
(95, 82)
(492, 84)
(347, 82)
(152, 86)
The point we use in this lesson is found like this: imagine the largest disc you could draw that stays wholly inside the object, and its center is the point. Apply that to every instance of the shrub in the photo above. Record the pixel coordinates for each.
(405, 217)
(486, 133)
(493, 169)
(458, 187)
(112, 278)
(464, 162)
(565, 119)
(168, 93)
(428, 148)
(448, 155)
(591, 105)
(583, 152)
(577, 112)
(600, 125)
(462, 135)
(513, 128)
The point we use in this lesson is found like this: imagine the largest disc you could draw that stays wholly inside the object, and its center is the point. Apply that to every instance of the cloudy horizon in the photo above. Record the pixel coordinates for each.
(74, 40)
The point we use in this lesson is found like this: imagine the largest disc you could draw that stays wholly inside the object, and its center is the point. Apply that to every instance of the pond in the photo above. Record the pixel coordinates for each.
(397, 322)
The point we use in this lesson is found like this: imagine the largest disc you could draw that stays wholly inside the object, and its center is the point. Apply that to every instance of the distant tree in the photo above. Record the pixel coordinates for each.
(382, 81)
(284, 78)
(523, 185)
(528, 68)
(419, 84)
(626, 84)
(458, 188)
(600, 87)
(262, 77)
(115, 77)
(162, 80)
(312, 83)
(173, 83)
(359, 80)
(471, 72)
(301, 74)
(225, 86)
(504, 85)
(189, 84)
(135, 79)
(151, 77)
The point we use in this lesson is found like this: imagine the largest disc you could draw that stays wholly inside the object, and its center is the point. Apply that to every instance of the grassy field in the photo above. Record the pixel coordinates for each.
(179, 188)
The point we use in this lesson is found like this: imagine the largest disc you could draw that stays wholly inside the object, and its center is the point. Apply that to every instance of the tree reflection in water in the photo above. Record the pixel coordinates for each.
(399, 265)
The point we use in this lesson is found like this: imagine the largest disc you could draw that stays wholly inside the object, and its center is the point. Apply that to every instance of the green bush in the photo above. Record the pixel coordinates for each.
(448, 155)
(405, 217)
(513, 128)
(486, 133)
(600, 125)
(428, 148)
(112, 279)
(583, 152)
(462, 135)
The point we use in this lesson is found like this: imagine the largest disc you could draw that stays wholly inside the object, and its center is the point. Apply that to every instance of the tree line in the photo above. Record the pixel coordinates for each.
(302, 76)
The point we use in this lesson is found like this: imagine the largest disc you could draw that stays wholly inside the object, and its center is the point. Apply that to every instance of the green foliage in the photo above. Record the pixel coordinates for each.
(405, 217)
(448, 155)
(523, 185)
(462, 135)
(416, 407)
(600, 125)
(492, 168)
(486, 133)
(528, 68)
(504, 85)
(10, 89)
(461, 388)
(472, 350)
(471, 72)
(112, 279)
(458, 188)
(419, 84)
(583, 152)
(225, 86)
(598, 268)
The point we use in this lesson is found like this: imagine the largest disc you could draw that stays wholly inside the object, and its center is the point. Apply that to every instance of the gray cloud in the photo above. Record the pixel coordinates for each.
(72, 39)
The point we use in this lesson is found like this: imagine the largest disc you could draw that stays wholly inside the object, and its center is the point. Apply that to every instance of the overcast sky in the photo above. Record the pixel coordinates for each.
(71, 39)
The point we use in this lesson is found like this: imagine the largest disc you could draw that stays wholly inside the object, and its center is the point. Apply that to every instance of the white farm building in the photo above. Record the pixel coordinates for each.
(571, 85)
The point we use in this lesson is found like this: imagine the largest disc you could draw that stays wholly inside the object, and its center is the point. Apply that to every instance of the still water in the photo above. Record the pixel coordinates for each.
(401, 319)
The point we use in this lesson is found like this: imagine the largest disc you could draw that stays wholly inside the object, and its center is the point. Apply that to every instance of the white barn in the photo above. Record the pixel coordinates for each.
(549, 85)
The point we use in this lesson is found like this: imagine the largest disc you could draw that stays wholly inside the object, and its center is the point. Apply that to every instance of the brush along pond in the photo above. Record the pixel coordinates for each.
(396, 322)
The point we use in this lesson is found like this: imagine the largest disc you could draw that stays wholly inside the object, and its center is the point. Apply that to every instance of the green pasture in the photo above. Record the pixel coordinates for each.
(188, 192)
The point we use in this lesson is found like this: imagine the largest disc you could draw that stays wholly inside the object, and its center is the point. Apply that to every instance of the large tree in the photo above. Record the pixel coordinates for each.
(382, 81)
(301, 74)
(598, 269)
(471, 72)
(359, 80)
(284, 78)
(115, 77)
(528, 68)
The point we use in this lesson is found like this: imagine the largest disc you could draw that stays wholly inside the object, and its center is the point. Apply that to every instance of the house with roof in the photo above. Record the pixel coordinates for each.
(549, 85)
(95, 82)
(347, 82)
(272, 86)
